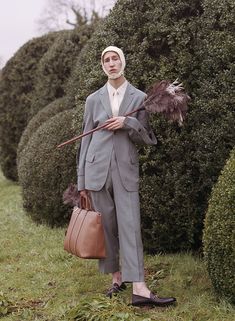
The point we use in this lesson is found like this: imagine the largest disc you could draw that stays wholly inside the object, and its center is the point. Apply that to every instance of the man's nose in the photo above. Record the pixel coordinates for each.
(112, 62)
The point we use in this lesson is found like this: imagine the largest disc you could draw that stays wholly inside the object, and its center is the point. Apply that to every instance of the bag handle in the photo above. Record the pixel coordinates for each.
(85, 203)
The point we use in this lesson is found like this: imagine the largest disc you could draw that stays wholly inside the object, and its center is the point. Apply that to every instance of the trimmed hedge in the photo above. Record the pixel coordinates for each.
(43, 115)
(16, 92)
(53, 71)
(46, 171)
(30, 83)
(218, 237)
(55, 67)
(168, 40)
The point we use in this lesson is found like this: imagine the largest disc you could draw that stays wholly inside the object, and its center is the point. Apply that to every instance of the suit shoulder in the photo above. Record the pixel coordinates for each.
(93, 96)
(138, 92)
(141, 93)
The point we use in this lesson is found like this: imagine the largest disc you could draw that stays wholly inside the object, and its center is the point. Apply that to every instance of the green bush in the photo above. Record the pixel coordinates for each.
(46, 171)
(168, 40)
(55, 67)
(218, 237)
(16, 92)
(43, 115)
(34, 77)
(60, 167)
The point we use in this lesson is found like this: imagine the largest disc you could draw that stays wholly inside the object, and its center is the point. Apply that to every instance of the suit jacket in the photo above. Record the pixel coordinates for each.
(96, 149)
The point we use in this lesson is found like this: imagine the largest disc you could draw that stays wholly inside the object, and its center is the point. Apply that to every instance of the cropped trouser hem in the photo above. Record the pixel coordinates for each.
(121, 221)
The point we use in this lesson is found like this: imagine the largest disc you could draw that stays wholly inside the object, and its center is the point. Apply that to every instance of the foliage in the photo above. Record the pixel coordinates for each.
(34, 77)
(57, 64)
(167, 40)
(5, 305)
(45, 283)
(46, 171)
(43, 115)
(101, 308)
(16, 91)
(218, 238)
(53, 69)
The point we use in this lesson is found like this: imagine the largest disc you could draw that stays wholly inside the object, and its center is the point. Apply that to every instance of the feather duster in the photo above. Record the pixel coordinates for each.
(163, 97)
(169, 99)
(71, 195)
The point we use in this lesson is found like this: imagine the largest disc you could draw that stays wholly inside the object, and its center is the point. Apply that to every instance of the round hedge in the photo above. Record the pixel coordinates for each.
(55, 67)
(30, 83)
(46, 171)
(167, 40)
(16, 91)
(43, 115)
(219, 237)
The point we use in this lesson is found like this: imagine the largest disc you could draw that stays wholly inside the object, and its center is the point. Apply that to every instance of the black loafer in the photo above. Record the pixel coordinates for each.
(116, 289)
(154, 300)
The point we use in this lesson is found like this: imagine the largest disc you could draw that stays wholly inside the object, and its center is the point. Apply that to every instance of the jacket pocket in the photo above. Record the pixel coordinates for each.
(134, 159)
(90, 158)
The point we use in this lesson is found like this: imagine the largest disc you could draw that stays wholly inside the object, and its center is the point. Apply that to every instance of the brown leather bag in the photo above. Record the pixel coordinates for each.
(85, 235)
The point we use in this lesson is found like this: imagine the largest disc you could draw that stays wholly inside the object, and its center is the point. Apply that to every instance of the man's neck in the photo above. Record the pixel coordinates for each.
(116, 83)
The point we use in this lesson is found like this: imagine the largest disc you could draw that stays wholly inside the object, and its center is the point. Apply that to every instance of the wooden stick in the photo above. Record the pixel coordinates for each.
(95, 129)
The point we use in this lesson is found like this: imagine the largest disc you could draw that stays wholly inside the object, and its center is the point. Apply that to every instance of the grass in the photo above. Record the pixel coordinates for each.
(41, 282)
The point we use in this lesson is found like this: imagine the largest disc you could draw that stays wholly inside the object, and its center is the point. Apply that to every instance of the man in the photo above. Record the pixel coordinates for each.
(108, 169)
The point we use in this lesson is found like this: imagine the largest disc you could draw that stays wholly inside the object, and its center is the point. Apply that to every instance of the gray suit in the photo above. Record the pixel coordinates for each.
(108, 167)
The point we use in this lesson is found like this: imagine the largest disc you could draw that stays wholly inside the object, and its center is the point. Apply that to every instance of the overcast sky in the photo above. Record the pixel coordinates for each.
(18, 24)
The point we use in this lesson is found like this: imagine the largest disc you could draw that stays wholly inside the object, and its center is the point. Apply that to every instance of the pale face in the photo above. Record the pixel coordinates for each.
(112, 62)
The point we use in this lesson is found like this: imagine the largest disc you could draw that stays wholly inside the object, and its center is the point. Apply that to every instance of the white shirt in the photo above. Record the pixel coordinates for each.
(116, 96)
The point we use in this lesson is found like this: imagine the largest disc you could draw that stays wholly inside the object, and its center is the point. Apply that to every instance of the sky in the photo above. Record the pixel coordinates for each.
(19, 23)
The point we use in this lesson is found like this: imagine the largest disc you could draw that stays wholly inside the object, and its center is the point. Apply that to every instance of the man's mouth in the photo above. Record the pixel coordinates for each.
(112, 70)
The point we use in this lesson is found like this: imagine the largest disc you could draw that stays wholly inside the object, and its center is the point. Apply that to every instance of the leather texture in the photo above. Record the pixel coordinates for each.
(116, 289)
(154, 300)
(85, 235)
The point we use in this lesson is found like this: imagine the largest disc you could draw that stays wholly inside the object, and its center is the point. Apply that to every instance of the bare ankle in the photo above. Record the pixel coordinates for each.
(140, 288)
(117, 277)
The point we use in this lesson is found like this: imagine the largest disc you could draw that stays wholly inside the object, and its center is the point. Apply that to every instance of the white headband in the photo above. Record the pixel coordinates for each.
(122, 58)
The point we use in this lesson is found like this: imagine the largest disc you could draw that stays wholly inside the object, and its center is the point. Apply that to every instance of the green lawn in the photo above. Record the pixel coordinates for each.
(40, 281)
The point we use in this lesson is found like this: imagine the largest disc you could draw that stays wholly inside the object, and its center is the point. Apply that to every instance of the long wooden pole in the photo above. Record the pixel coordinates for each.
(95, 129)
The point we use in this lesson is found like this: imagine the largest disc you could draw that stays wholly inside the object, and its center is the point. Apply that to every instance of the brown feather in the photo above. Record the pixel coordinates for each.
(169, 99)
(71, 195)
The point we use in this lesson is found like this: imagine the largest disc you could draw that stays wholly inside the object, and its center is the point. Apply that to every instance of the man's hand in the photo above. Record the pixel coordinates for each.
(84, 193)
(115, 123)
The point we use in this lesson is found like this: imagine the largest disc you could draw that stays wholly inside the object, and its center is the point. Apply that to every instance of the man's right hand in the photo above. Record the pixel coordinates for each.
(84, 193)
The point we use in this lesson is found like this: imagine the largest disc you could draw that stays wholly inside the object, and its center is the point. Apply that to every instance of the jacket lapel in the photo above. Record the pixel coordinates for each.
(104, 97)
(127, 99)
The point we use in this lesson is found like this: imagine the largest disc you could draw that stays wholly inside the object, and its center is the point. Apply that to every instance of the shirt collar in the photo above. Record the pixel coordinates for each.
(120, 90)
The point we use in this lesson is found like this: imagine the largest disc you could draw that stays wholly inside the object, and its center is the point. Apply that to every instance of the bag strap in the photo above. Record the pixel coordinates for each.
(85, 203)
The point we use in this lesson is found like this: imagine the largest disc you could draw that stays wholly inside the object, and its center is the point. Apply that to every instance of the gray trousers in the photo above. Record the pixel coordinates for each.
(121, 219)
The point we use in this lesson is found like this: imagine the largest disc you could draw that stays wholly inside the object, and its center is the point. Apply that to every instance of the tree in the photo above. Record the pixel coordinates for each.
(62, 14)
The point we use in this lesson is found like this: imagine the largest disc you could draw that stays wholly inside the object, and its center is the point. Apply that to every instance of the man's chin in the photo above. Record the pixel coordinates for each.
(114, 75)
